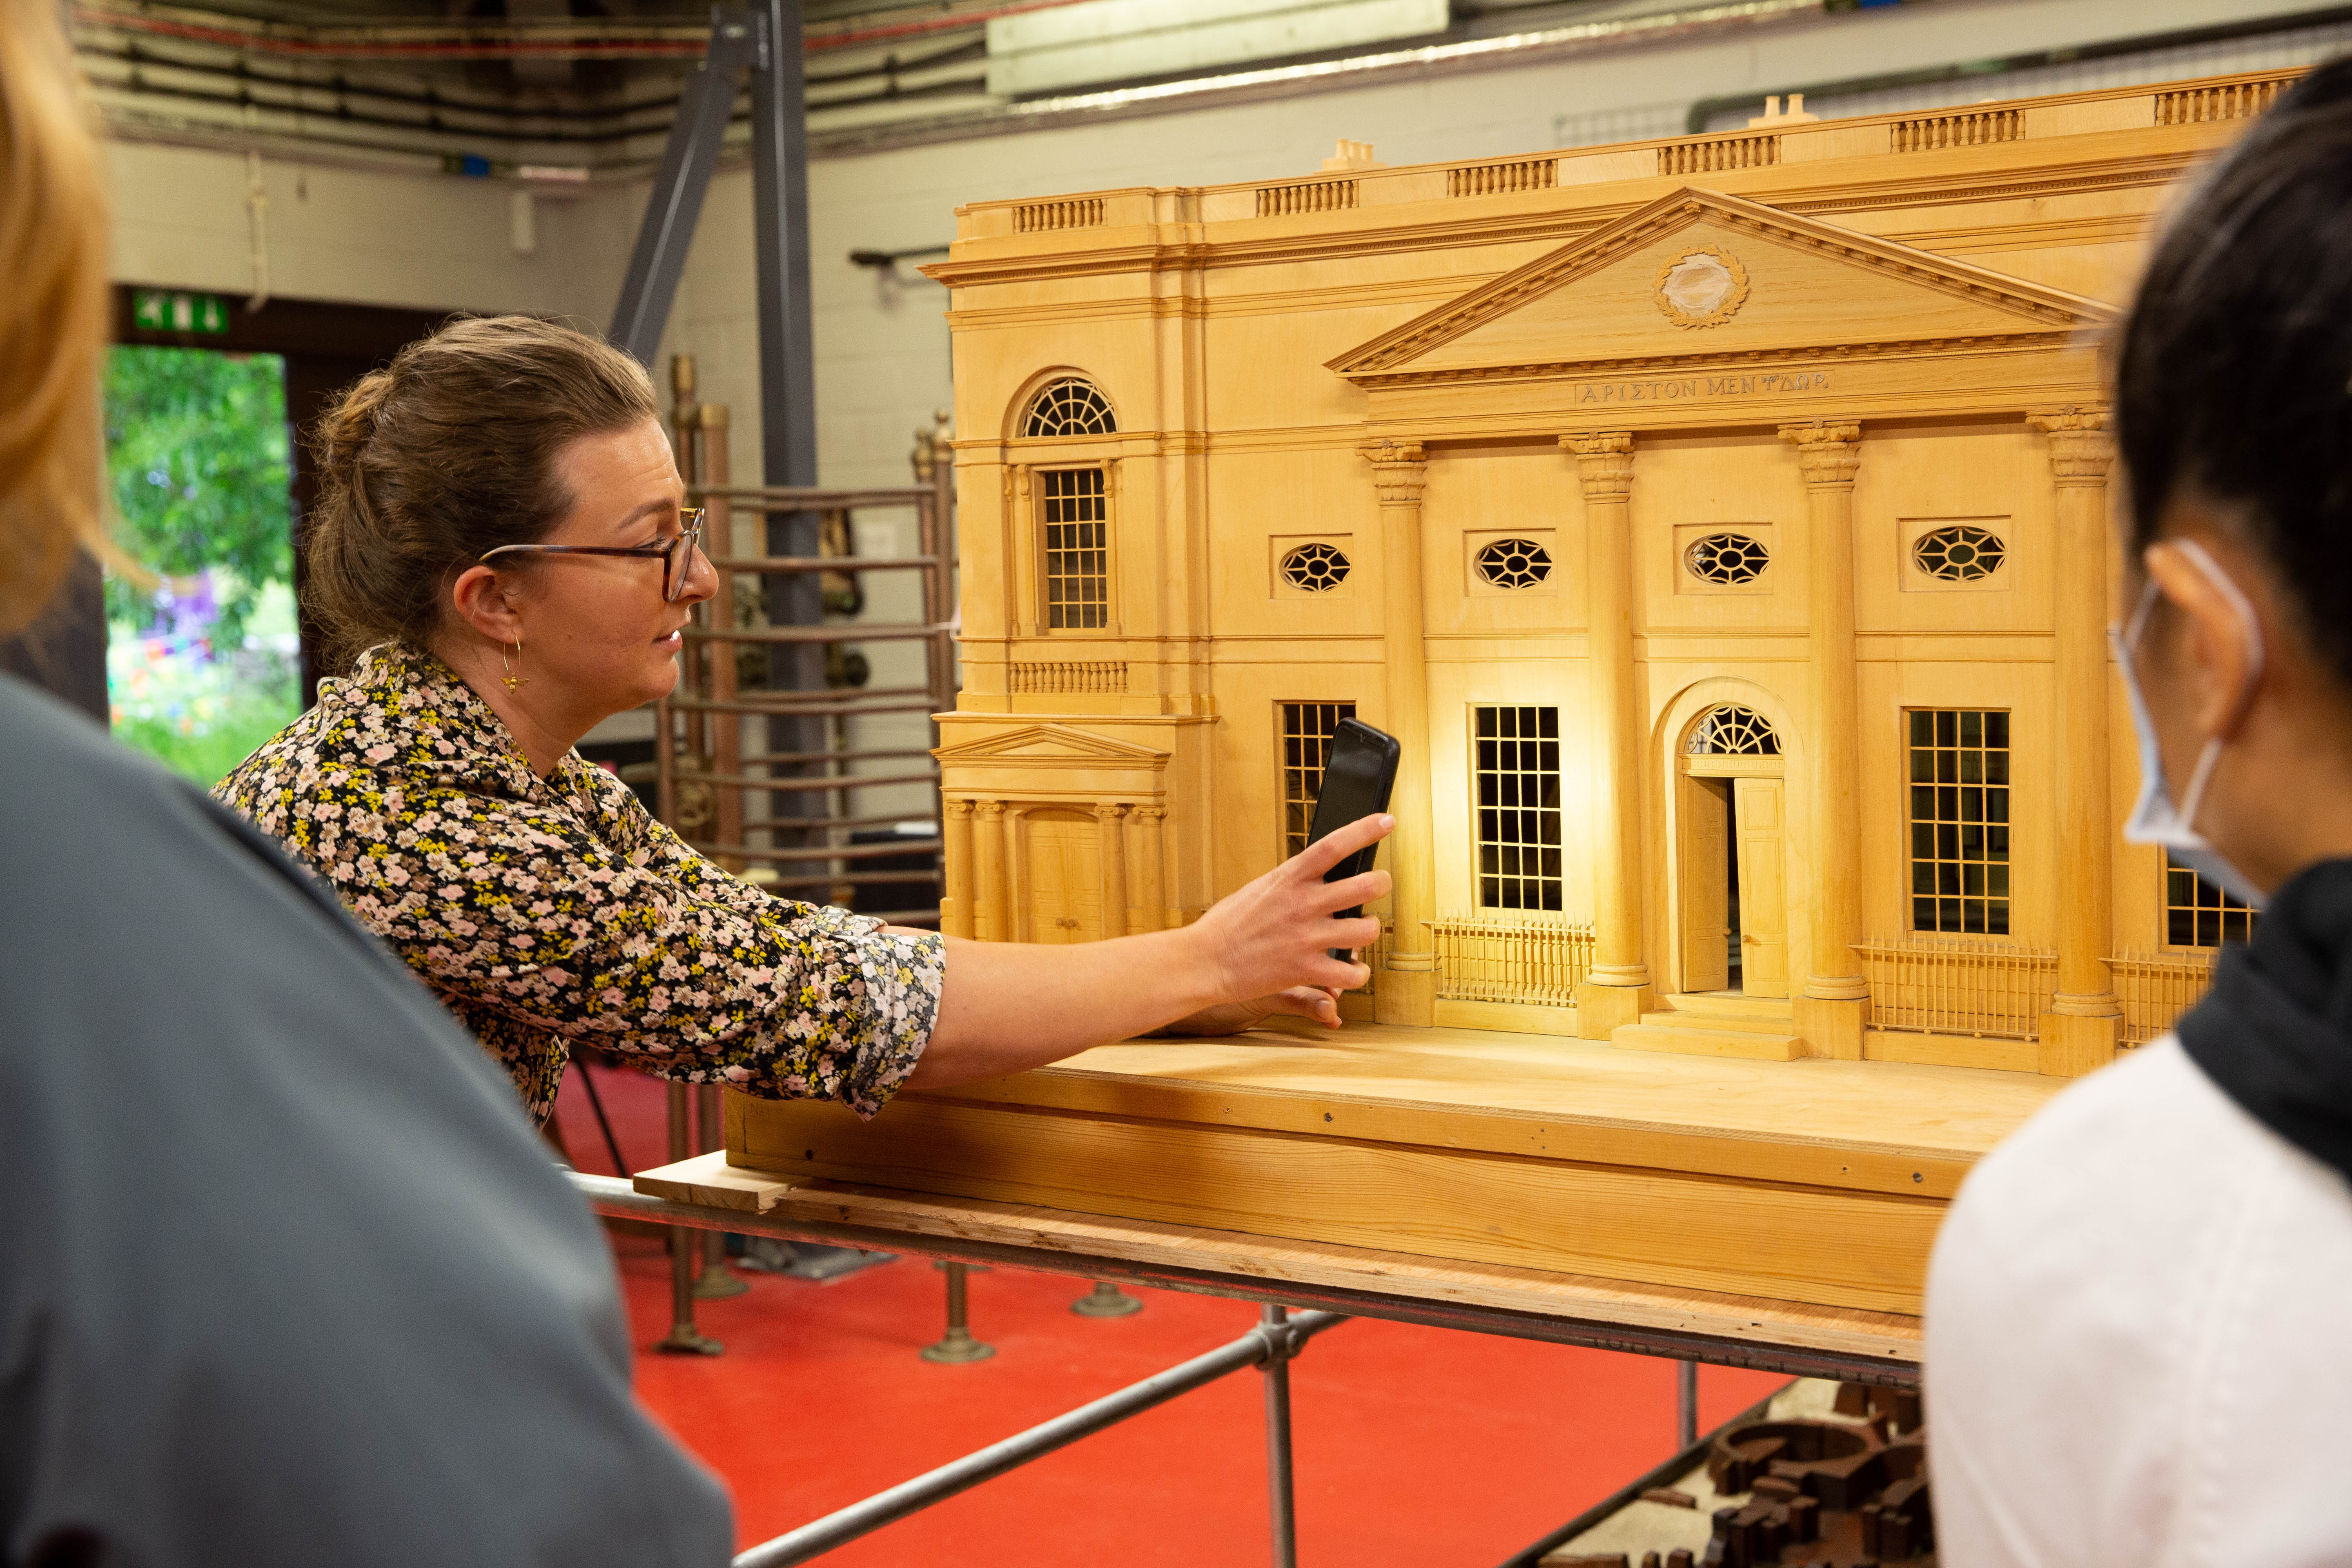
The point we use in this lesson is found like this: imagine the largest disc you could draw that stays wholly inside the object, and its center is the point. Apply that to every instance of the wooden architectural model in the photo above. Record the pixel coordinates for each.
(1721, 524)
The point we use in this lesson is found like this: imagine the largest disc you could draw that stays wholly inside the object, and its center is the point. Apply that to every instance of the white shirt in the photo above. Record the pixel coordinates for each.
(2139, 1339)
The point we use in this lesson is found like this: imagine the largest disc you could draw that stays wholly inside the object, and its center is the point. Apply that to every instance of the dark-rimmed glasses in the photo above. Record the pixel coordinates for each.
(677, 555)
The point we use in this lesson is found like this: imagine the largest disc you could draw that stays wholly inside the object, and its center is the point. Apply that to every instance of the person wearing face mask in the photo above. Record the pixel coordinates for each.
(2135, 1353)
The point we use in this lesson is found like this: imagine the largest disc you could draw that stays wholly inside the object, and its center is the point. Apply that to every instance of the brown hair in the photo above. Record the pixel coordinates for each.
(52, 312)
(444, 454)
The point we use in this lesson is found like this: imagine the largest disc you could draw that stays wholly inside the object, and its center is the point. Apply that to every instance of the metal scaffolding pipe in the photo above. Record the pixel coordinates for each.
(1274, 1341)
(619, 1198)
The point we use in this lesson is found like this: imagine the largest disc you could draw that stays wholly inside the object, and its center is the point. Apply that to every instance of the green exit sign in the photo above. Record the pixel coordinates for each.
(162, 311)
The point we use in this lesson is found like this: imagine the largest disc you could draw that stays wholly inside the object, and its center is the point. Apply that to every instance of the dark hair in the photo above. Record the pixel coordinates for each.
(2233, 377)
(444, 454)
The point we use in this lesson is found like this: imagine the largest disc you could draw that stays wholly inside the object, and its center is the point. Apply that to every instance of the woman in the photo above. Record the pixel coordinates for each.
(256, 1307)
(2136, 1346)
(502, 545)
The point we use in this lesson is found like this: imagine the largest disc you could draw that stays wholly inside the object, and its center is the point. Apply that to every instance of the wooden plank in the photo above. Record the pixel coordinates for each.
(1889, 1127)
(1797, 1243)
(1256, 1261)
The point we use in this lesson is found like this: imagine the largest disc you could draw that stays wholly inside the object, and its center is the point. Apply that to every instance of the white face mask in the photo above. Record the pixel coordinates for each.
(2154, 818)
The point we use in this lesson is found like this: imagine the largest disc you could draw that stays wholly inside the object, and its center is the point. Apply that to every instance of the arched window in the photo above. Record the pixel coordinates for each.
(1734, 731)
(1069, 406)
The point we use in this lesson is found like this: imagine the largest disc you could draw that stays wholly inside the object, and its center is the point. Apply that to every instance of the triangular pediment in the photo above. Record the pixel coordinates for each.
(1698, 275)
(1046, 742)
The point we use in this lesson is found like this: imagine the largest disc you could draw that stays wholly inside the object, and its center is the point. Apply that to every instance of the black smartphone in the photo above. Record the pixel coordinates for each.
(1358, 770)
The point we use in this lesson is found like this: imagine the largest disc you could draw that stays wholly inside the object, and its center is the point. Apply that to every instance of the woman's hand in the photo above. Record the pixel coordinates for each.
(1276, 934)
(1008, 1006)
(1233, 1018)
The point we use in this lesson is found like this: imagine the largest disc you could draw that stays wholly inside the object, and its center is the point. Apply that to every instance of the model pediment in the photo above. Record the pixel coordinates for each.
(1698, 276)
(1047, 743)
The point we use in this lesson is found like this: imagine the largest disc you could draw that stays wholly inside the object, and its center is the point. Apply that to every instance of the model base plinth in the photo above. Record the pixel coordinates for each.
(1806, 1181)
(1601, 1010)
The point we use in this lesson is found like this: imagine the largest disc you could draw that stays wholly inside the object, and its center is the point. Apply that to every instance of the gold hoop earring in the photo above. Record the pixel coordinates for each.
(510, 677)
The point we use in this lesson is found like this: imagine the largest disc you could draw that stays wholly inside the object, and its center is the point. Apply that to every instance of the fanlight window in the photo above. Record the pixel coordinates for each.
(1734, 731)
(1729, 559)
(1959, 553)
(1070, 406)
(1514, 563)
(1317, 568)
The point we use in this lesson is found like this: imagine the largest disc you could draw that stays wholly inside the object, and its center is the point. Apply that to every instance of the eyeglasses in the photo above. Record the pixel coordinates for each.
(677, 555)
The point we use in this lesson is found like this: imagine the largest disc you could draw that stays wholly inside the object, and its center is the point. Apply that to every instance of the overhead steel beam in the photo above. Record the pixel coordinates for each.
(787, 362)
(692, 153)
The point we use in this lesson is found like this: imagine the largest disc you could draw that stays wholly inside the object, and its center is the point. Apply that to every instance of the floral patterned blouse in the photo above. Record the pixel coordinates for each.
(546, 912)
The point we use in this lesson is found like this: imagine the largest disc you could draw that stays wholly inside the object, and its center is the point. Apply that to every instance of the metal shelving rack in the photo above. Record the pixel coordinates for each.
(725, 739)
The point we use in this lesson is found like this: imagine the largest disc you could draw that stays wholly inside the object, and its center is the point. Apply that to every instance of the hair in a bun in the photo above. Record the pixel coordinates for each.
(444, 454)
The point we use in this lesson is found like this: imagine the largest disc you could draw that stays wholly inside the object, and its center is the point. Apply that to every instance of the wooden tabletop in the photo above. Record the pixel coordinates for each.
(1525, 1303)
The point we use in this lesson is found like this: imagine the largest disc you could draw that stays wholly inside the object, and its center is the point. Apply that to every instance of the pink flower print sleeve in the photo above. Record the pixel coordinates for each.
(546, 912)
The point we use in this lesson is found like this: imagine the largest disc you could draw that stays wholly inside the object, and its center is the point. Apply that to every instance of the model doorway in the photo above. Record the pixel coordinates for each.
(1732, 855)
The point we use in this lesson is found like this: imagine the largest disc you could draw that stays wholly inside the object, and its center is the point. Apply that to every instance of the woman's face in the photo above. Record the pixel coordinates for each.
(598, 635)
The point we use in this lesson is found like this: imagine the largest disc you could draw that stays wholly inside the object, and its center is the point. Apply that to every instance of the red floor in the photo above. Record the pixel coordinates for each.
(1413, 1447)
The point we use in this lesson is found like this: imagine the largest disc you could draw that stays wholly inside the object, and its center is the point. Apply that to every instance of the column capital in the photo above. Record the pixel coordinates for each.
(1107, 812)
(1399, 469)
(1828, 451)
(990, 810)
(2081, 450)
(956, 807)
(1149, 812)
(1604, 462)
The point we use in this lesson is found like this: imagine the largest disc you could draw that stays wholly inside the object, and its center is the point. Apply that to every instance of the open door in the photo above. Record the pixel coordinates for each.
(1706, 851)
(1763, 886)
(1064, 878)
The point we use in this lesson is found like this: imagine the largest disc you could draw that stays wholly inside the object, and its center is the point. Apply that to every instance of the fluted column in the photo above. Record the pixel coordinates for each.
(1151, 888)
(1111, 823)
(1406, 992)
(2079, 1033)
(992, 921)
(956, 908)
(1618, 989)
(1830, 1008)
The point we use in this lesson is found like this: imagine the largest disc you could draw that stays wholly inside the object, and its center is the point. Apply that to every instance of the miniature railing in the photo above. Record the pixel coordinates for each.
(2229, 101)
(1489, 958)
(1314, 197)
(1969, 128)
(1718, 153)
(1956, 985)
(1501, 179)
(2156, 988)
(1064, 677)
(727, 744)
(1038, 217)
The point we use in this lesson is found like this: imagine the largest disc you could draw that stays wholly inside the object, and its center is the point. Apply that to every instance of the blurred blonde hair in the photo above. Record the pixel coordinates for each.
(52, 312)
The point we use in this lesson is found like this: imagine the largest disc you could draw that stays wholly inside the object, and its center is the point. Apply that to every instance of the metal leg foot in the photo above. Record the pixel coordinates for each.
(1106, 1300)
(1685, 1404)
(956, 1345)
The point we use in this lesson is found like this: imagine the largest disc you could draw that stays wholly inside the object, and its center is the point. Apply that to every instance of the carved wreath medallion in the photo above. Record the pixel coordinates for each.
(1702, 287)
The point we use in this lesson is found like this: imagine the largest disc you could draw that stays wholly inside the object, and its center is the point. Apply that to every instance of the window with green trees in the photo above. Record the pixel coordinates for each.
(202, 663)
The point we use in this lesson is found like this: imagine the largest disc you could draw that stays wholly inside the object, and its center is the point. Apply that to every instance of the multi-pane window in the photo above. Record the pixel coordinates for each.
(1075, 511)
(1516, 773)
(1307, 731)
(2199, 914)
(1959, 820)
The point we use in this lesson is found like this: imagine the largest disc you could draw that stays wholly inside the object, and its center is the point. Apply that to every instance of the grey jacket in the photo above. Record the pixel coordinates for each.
(284, 1277)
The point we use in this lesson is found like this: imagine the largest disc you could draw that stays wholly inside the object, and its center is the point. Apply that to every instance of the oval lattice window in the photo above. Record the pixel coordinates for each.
(1959, 553)
(1734, 731)
(1317, 568)
(1514, 563)
(1070, 406)
(1729, 559)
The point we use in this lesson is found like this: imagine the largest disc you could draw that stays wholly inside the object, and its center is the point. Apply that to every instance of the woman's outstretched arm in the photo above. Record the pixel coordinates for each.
(1009, 1006)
